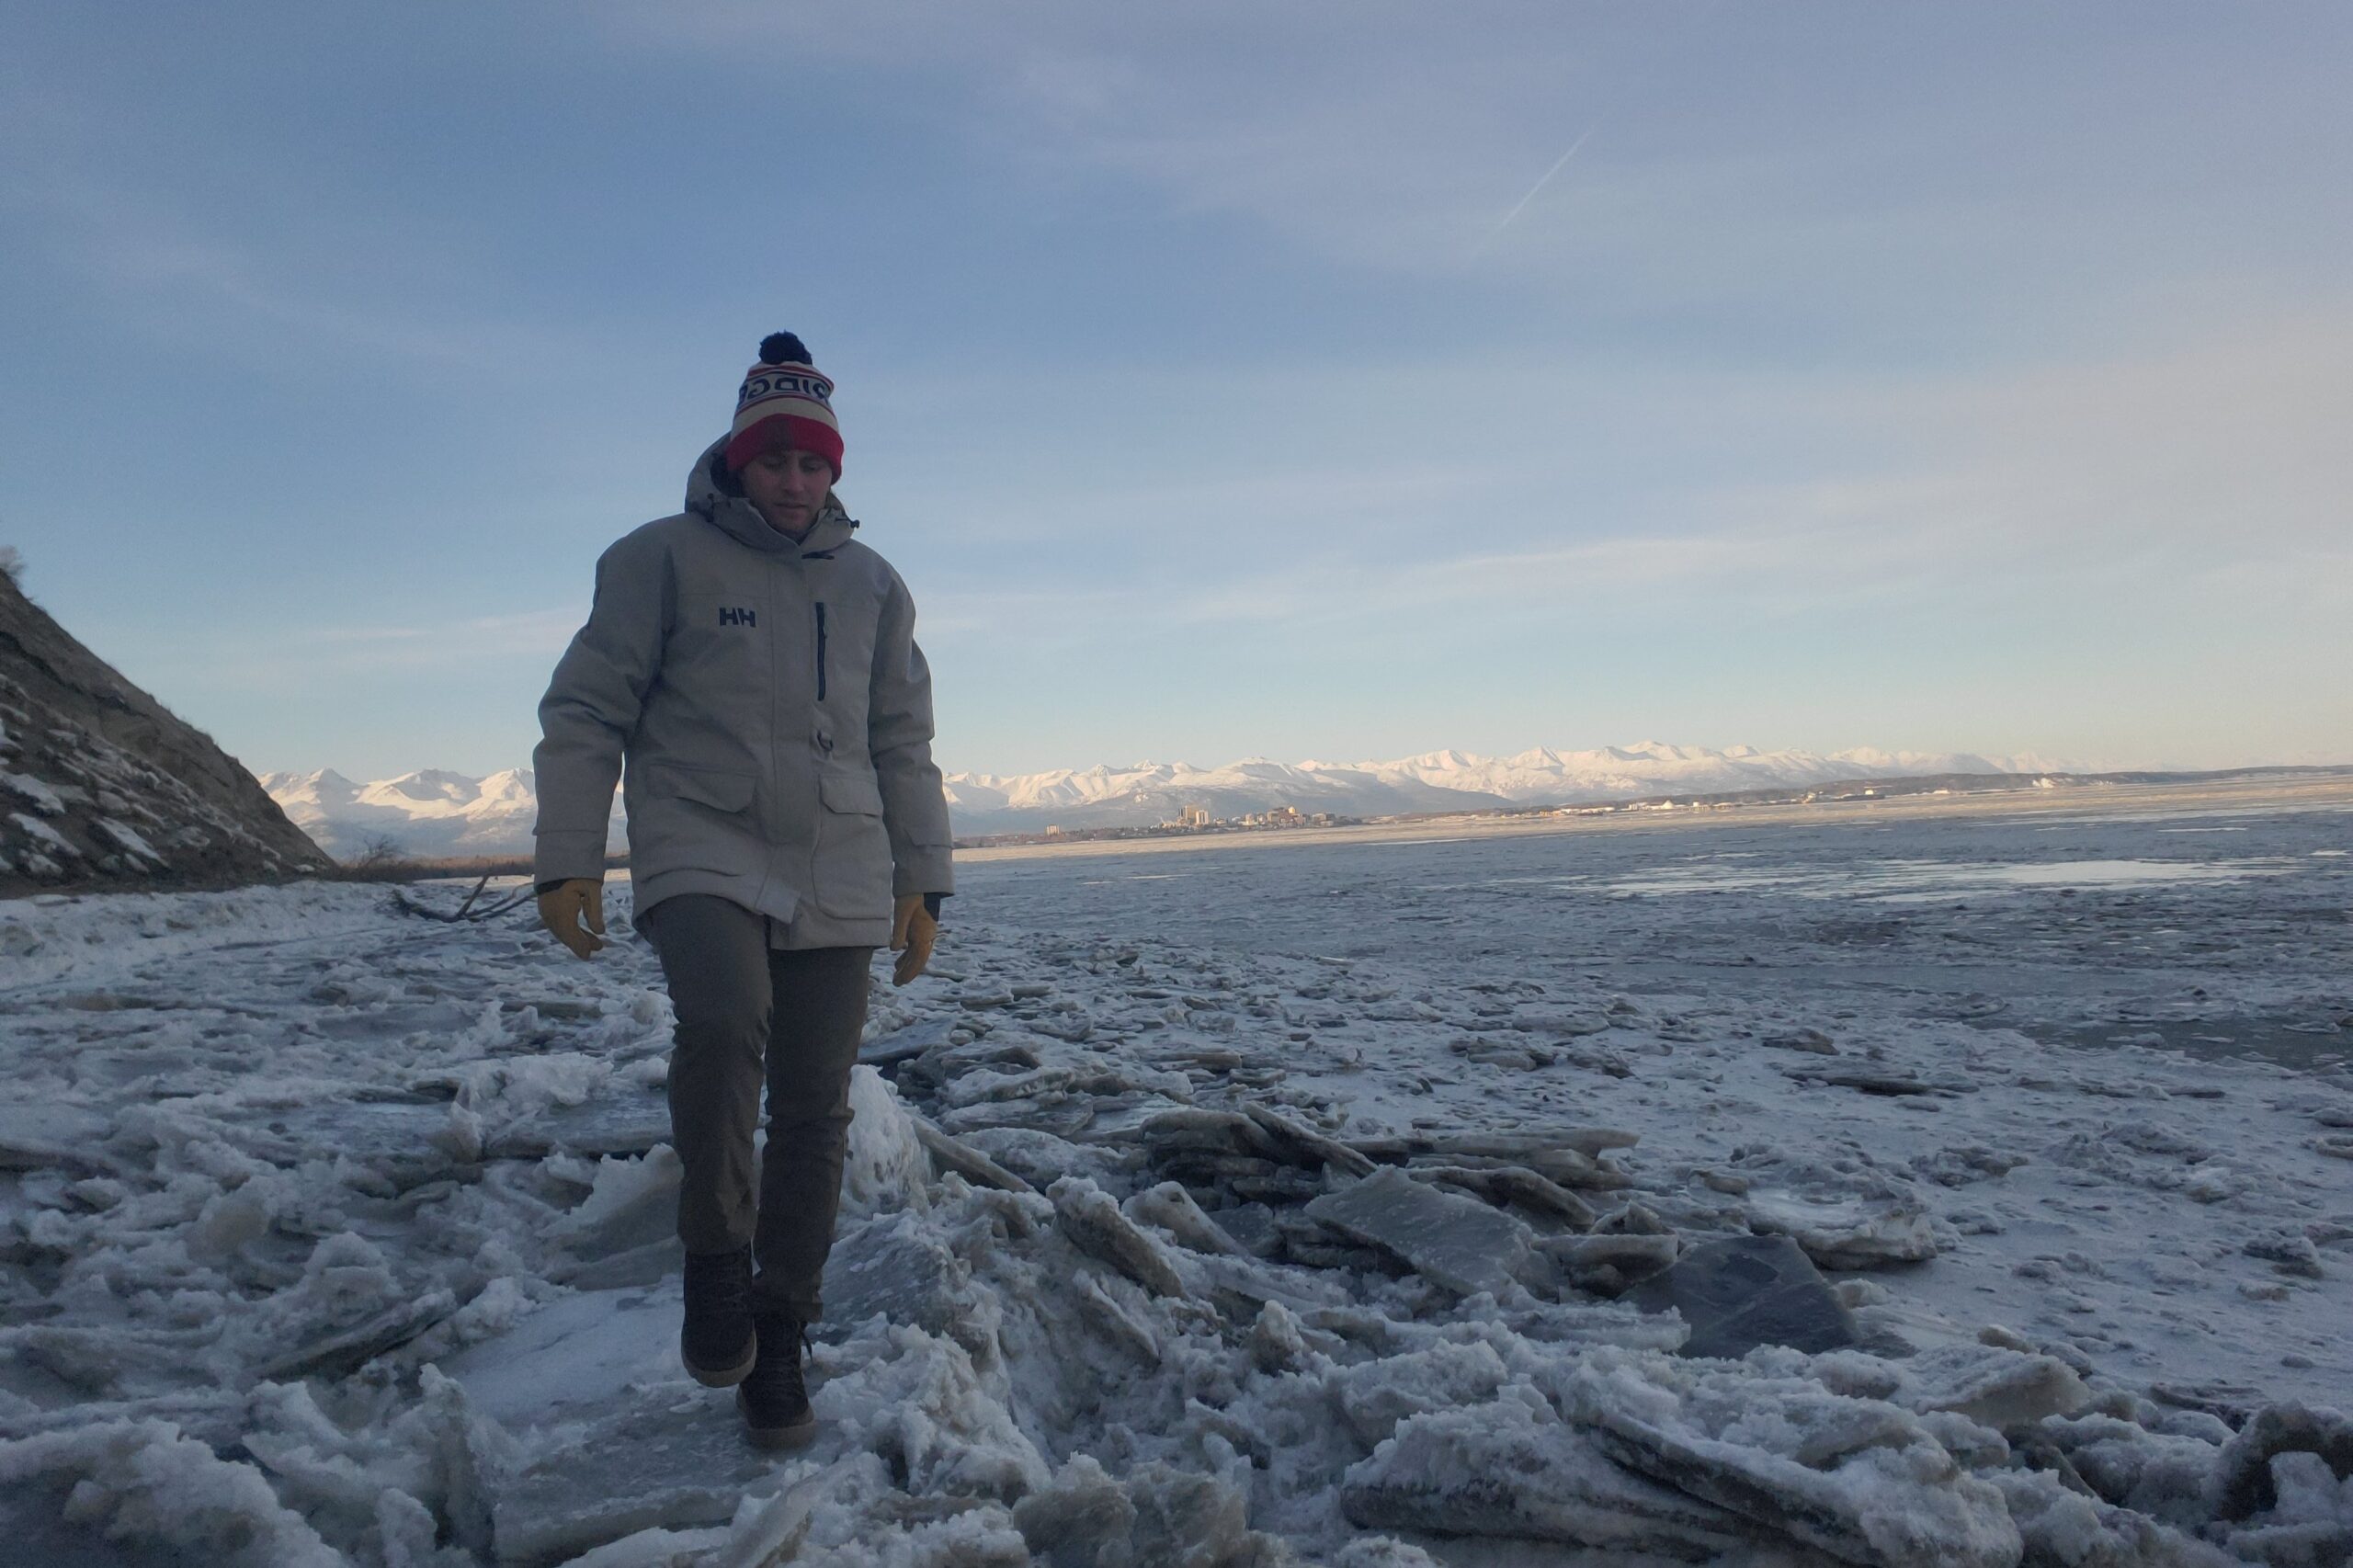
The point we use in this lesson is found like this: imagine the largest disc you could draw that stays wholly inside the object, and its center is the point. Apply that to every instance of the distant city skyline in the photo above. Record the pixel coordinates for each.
(1226, 380)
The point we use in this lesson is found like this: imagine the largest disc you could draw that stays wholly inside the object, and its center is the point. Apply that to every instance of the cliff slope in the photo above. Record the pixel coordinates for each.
(103, 786)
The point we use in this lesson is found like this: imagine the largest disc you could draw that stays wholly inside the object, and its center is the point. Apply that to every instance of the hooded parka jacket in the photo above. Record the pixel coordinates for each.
(775, 715)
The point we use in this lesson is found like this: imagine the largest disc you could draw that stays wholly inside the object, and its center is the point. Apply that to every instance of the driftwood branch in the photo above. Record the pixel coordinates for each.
(466, 910)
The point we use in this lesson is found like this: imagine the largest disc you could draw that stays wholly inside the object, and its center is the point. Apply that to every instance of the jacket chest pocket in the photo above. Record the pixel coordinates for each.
(841, 638)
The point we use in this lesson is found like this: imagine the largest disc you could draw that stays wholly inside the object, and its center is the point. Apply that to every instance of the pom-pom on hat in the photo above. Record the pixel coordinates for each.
(784, 403)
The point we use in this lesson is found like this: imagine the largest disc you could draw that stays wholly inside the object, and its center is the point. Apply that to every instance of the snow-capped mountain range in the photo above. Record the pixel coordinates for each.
(429, 812)
(433, 813)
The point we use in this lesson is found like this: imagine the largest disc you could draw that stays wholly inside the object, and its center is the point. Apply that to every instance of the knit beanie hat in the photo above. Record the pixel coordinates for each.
(784, 403)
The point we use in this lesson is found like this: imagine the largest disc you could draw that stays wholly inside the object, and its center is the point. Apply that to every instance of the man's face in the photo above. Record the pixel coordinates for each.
(787, 485)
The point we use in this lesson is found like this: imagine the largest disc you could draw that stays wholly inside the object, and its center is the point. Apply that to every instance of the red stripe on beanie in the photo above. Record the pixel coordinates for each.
(789, 430)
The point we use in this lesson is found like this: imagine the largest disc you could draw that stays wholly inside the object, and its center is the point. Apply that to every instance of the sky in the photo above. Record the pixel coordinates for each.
(1315, 380)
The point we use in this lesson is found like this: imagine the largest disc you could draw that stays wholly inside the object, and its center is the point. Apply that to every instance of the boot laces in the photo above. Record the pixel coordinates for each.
(784, 1344)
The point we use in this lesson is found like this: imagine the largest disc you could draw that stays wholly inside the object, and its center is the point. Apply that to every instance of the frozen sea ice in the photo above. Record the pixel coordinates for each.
(1460, 1242)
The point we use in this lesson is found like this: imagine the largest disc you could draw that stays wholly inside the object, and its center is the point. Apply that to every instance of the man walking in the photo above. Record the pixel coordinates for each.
(754, 665)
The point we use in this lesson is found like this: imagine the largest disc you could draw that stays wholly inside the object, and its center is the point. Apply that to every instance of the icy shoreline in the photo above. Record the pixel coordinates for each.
(336, 1236)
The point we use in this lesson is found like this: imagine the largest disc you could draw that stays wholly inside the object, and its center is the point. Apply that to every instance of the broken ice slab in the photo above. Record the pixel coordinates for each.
(2060, 1524)
(1501, 1185)
(1251, 1224)
(676, 1456)
(954, 1155)
(1502, 1469)
(1553, 1021)
(1989, 1384)
(1062, 1117)
(35, 1522)
(1374, 1396)
(1849, 1233)
(1581, 1324)
(631, 1204)
(1458, 1242)
(897, 1266)
(2244, 1480)
(1201, 1130)
(884, 1051)
(620, 1121)
(557, 1008)
(1119, 1115)
(373, 1128)
(933, 1070)
(1606, 1263)
(1040, 1158)
(1861, 1519)
(1077, 1073)
(1569, 1157)
(1861, 1481)
(982, 1085)
(1092, 1220)
(1878, 1080)
(1307, 1147)
(50, 1136)
(1745, 1292)
(885, 1166)
(572, 1356)
(348, 1349)
(1171, 1208)
(2233, 1405)
(1155, 1513)
(1313, 1245)
(1223, 1180)
(1242, 1285)
(1590, 1141)
(404, 1138)
(635, 1267)
(1116, 1308)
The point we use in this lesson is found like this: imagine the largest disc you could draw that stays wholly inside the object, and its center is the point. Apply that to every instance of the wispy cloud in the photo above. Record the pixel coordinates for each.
(1378, 135)
(274, 656)
(2144, 469)
(330, 273)
(1799, 565)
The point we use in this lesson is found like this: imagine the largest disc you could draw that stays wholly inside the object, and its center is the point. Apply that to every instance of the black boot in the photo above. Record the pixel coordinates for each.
(774, 1399)
(718, 1343)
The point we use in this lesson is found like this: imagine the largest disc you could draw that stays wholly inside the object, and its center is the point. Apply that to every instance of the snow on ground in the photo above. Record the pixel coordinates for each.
(1318, 1202)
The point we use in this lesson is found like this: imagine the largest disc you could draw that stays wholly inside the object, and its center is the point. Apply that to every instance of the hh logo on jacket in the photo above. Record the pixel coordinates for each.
(737, 618)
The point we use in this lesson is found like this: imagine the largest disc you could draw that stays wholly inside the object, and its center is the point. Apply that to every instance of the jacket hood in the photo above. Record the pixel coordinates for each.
(712, 494)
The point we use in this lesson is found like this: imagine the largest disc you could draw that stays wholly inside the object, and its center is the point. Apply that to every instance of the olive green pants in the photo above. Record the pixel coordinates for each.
(748, 1014)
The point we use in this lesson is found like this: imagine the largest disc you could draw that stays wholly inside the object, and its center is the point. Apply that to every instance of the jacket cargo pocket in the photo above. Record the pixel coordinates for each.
(706, 786)
(853, 861)
(856, 793)
(691, 818)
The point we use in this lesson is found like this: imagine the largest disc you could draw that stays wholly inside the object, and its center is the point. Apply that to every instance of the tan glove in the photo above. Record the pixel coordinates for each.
(912, 931)
(562, 907)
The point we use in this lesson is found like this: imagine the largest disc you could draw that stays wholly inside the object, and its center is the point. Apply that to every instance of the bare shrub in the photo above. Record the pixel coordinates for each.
(381, 858)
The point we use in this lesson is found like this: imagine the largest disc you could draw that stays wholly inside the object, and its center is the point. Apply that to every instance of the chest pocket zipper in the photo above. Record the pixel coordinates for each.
(821, 653)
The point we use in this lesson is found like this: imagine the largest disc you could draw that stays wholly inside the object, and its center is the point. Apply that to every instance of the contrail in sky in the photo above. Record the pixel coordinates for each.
(1532, 191)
